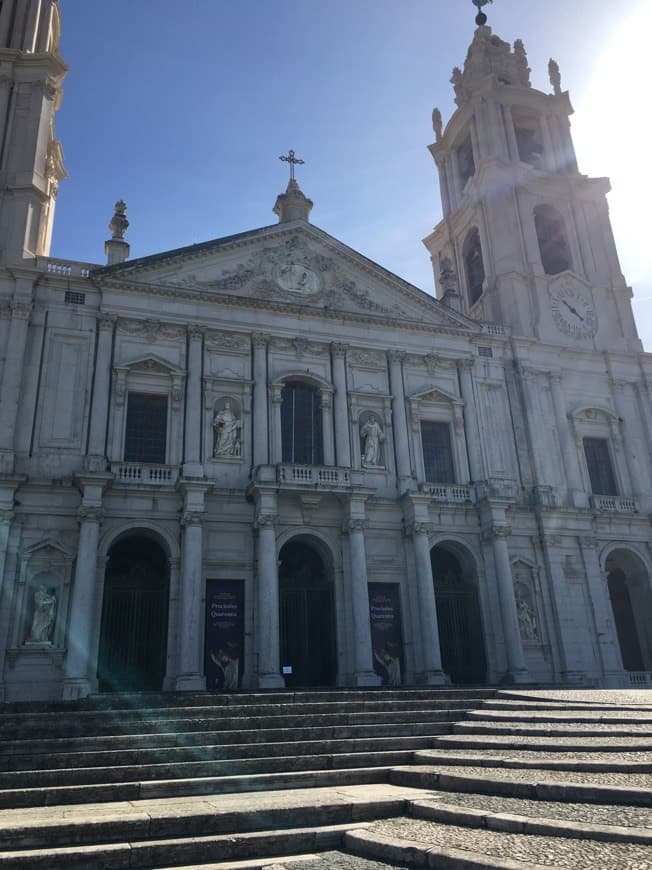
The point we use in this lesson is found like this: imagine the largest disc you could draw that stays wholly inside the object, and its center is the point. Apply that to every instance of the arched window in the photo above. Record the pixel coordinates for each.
(551, 235)
(528, 136)
(474, 265)
(465, 161)
(301, 424)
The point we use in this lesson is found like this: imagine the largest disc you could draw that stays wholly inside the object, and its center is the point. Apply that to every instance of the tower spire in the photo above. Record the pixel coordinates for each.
(481, 18)
(292, 205)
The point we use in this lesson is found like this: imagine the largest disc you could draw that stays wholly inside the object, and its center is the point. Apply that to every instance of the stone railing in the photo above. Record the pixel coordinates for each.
(314, 475)
(640, 679)
(140, 473)
(449, 492)
(617, 504)
(66, 269)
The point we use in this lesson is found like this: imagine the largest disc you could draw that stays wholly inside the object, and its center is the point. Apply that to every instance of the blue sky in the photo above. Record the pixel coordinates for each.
(183, 109)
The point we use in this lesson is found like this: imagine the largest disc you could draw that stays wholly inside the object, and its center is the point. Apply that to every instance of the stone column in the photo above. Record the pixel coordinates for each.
(260, 452)
(342, 432)
(622, 393)
(399, 418)
(190, 666)
(268, 611)
(364, 674)
(605, 630)
(326, 404)
(498, 535)
(79, 676)
(465, 368)
(431, 652)
(192, 466)
(566, 439)
(174, 627)
(7, 517)
(96, 458)
(11, 379)
(276, 394)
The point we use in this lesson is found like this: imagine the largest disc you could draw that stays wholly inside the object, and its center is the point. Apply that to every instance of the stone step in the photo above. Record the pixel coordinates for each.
(179, 759)
(400, 720)
(632, 789)
(175, 852)
(540, 743)
(506, 704)
(626, 762)
(344, 735)
(278, 777)
(608, 716)
(148, 820)
(425, 843)
(559, 729)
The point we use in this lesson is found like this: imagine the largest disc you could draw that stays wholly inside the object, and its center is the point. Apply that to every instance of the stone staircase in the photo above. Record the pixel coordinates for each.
(329, 779)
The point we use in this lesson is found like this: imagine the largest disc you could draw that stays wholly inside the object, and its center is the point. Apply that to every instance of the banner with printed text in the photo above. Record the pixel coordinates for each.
(224, 634)
(386, 634)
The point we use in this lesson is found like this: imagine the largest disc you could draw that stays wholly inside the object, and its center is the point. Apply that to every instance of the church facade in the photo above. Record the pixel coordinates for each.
(265, 461)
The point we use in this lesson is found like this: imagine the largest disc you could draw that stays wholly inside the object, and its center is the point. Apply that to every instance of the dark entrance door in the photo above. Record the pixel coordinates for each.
(458, 618)
(307, 618)
(621, 604)
(133, 636)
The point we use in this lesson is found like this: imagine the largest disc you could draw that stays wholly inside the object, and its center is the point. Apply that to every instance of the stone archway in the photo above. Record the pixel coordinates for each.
(461, 639)
(631, 603)
(134, 627)
(307, 614)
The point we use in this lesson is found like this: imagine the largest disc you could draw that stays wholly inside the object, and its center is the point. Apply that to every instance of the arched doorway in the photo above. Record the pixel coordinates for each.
(631, 603)
(458, 617)
(133, 634)
(307, 615)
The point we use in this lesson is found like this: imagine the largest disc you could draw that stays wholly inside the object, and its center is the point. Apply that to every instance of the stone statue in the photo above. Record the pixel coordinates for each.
(437, 123)
(392, 665)
(555, 76)
(45, 608)
(373, 436)
(227, 432)
(527, 621)
(229, 668)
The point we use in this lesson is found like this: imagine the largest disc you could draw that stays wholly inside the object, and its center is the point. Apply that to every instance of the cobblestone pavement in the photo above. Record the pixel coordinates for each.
(533, 755)
(337, 861)
(593, 814)
(630, 780)
(548, 851)
(612, 697)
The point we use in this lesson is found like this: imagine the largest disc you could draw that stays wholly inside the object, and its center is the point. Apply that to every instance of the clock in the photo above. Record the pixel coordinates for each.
(296, 278)
(573, 312)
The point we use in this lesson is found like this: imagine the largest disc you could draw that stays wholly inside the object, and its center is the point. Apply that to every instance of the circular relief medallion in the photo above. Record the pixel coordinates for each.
(573, 312)
(296, 278)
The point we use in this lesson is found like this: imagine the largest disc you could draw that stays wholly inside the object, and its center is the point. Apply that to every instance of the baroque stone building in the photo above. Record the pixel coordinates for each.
(265, 460)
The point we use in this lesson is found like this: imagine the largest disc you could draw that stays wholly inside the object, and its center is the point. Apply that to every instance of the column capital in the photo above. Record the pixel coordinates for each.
(90, 514)
(589, 543)
(396, 356)
(339, 350)
(106, 321)
(414, 528)
(497, 533)
(354, 524)
(191, 518)
(195, 332)
(259, 339)
(466, 365)
(265, 521)
(21, 309)
(556, 378)
(7, 517)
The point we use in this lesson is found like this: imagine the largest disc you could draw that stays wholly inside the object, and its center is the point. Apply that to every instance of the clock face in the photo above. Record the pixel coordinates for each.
(573, 312)
(298, 279)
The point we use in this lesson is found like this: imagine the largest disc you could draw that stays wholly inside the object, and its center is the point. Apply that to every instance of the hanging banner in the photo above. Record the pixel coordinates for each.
(386, 634)
(224, 634)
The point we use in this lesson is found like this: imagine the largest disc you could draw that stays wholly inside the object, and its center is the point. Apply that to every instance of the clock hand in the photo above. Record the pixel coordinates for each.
(573, 310)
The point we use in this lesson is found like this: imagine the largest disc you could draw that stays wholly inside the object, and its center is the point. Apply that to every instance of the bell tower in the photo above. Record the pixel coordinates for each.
(31, 160)
(528, 236)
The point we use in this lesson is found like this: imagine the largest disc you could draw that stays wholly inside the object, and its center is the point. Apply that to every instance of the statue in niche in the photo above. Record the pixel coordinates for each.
(227, 428)
(527, 620)
(372, 438)
(45, 609)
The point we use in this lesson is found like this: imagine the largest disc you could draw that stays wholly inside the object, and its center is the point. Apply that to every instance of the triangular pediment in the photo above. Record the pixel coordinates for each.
(151, 364)
(287, 265)
(435, 395)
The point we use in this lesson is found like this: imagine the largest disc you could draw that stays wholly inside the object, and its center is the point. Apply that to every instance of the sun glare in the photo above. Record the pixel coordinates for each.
(613, 130)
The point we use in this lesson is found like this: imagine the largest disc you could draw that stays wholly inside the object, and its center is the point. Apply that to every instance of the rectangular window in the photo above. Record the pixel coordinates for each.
(437, 452)
(147, 420)
(598, 463)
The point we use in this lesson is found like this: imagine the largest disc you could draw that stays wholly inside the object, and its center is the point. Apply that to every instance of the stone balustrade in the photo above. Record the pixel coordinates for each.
(617, 504)
(139, 473)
